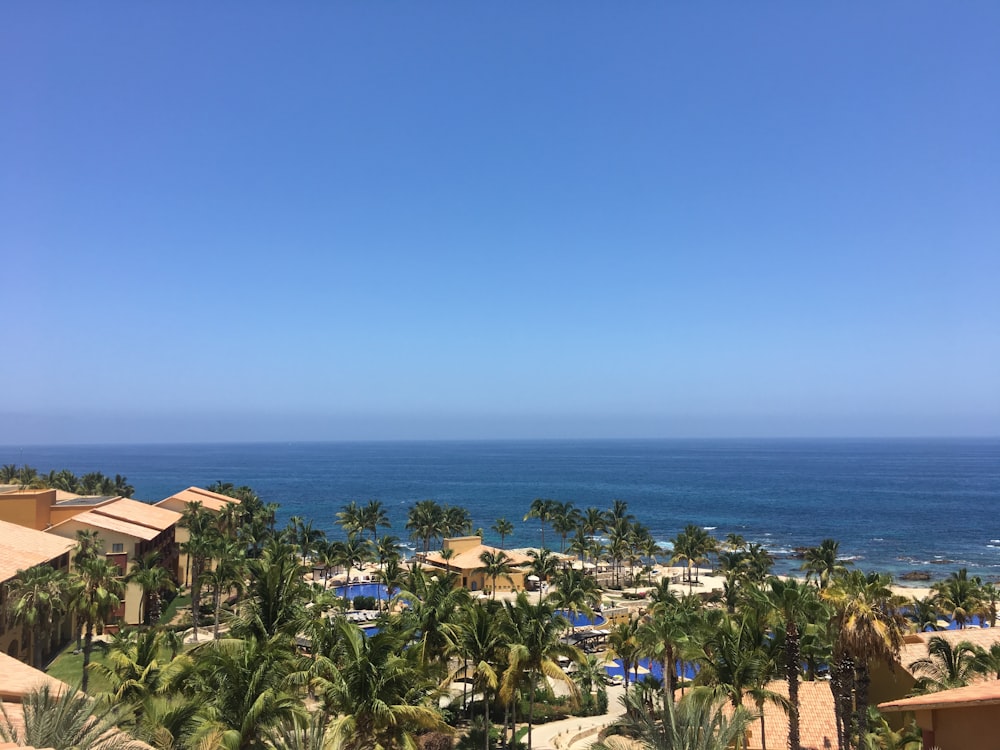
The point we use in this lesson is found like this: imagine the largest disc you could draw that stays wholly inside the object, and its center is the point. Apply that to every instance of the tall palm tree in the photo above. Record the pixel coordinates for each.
(36, 600)
(734, 664)
(543, 566)
(504, 528)
(152, 579)
(534, 645)
(426, 522)
(823, 563)
(662, 637)
(947, 666)
(349, 518)
(434, 609)
(65, 720)
(481, 643)
(380, 698)
(575, 592)
(199, 547)
(132, 666)
(623, 643)
(374, 515)
(228, 574)
(496, 564)
(692, 547)
(97, 591)
(541, 509)
(793, 605)
(867, 627)
(565, 518)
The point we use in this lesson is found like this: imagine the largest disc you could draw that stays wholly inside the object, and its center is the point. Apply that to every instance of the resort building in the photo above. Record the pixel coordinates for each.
(965, 717)
(463, 555)
(890, 684)
(20, 549)
(127, 530)
(179, 503)
(40, 509)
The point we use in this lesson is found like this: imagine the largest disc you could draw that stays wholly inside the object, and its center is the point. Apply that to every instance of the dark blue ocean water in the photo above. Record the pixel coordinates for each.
(895, 505)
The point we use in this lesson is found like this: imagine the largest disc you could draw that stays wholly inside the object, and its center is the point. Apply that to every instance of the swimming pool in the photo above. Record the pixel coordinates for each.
(647, 666)
(374, 590)
(580, 619)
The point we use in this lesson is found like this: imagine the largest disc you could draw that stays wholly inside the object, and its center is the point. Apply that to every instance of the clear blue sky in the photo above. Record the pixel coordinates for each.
(255, 221)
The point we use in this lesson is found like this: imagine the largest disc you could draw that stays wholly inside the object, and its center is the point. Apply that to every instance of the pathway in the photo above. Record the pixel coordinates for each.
(576, 732)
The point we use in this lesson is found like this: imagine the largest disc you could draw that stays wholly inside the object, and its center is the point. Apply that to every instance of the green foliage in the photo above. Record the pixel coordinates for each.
(364, 602)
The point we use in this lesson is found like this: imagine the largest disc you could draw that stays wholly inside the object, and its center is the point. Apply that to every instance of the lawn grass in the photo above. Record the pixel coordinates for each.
(170, 611)
(68, 667)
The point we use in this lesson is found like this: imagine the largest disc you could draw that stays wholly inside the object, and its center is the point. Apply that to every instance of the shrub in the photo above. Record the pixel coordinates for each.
(364, 602)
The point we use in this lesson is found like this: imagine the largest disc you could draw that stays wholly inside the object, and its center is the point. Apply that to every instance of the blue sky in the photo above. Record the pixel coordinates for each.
(259, 221)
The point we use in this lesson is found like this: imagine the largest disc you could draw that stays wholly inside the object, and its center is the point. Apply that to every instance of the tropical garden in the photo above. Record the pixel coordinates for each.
(265, 656)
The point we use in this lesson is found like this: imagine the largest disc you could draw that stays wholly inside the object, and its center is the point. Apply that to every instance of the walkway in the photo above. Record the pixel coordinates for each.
(577, 732)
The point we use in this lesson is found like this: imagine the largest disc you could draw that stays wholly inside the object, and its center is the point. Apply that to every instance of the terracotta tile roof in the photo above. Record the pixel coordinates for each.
(22, 548)
(979, 694)
(915, 645)
(469, 560)
(211, 500)
(817, 721)
(98, 521)
(19, 679)
(139, 513)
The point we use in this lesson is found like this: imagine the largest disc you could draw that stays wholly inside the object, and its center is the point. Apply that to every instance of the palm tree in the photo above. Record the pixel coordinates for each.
(533, 637)
(947, 666)
(457, 521)
(276, 596)
(794, 605)
(132, 666)
(543, 566)
(663, 636)
(153, 579)
(623, 643)
(242, 686)
(575, 592)
(65, 720)
(823, 562)
(229, 573)
(374, 515)
(36, 601)
(960, 597)
(565, 518)
(867, 627)
(379, 697)
(734, 664)
(199, 547)
(434, 610)
(349, 518)
(97, 591)
(425, 522)
(692, 547)
(481, 643)
(504, 528)
(541, 508)
(691, 724)
(496, 565)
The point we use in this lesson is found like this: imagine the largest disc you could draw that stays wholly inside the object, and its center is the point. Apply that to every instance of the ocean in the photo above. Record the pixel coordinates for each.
(894, 505)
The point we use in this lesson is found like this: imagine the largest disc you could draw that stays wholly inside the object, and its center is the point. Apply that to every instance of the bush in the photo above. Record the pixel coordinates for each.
(364, 602)
(436, 741)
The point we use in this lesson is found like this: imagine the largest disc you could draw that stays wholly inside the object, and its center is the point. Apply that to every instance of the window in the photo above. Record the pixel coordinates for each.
(117, 548)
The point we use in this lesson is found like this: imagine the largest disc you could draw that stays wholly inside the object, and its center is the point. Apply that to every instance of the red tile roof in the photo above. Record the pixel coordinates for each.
(979, 694)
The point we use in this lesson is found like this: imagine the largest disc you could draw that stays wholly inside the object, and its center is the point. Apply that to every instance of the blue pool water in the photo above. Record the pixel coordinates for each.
(580, 620)
(684, 669)
(376, 590)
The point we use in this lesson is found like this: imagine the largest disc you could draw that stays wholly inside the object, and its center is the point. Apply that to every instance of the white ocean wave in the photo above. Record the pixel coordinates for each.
(709, 528)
